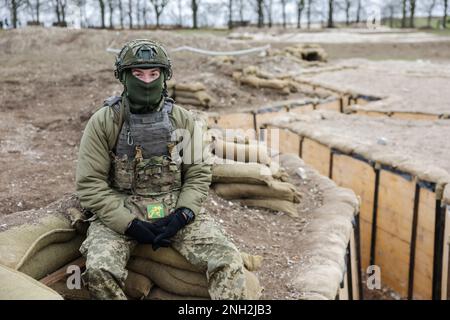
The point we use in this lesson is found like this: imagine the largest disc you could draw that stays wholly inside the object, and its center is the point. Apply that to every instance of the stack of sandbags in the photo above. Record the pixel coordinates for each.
(193, 94)
(256, 78)
(245, 172)
(38, 242)
(176, 278)
(15, 285)
(306, 52)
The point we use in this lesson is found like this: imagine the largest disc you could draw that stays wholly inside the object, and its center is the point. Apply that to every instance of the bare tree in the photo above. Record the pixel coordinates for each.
(138, 14)
(358, 11)
(130, 13)
(260, 12)
(111, 5)
(268, 5)
(194, 7)
(444, 22)
(330, 23)
(35, 9)
(230, 14)
(144, 14)
(60, 11)
(300, 8)
(102, 12)
(283, 9)
(158, 6)
(428, 6)
(390, 9)
(121, 14)
(14, 7)
(347, 8)
(309, 12)
(241, 10)
(412, 13)
(404, 11)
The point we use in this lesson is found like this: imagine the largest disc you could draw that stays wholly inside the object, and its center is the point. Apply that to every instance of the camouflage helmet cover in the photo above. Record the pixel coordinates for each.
(145, 54)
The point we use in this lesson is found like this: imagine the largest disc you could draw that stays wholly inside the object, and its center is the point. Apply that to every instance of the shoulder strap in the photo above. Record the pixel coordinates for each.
(112, 101)
(168, 104)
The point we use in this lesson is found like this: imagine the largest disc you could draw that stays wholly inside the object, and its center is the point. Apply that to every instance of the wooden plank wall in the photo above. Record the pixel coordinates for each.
(316, 155)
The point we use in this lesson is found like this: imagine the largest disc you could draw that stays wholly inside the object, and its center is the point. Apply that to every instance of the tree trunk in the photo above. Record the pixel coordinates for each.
(58, 13)
(102, 12)
(230, 14)
(283, 3)
(194, 6)
(347, 12)
(358, 12)
(144, 16)
(14, 5)
(444, 23)
(391, 17)
(260, 13)
(138, 14)
(130, 13)
(308, 14)
(38, 11)
(111, 11)
(412, 7)
(300, 7)
(121, 13)
(330, 13)
(403, 13)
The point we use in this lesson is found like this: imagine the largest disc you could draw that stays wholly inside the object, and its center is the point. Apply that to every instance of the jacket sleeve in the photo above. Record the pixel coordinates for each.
(196, 169)
(93, 171)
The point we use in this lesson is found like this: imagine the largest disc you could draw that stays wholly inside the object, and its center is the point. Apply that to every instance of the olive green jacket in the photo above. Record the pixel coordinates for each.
(94, 162)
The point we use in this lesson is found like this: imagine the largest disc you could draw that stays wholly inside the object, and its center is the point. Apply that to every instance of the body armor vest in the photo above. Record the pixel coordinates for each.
(146, 164)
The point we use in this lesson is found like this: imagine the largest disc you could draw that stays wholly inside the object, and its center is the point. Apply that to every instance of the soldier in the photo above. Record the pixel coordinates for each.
(132, 177)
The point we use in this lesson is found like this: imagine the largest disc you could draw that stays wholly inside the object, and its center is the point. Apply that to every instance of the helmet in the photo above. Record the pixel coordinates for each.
(145, 54)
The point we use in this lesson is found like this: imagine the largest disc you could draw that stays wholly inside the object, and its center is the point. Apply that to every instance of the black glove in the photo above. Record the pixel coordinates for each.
(146, 232)
(172, 224)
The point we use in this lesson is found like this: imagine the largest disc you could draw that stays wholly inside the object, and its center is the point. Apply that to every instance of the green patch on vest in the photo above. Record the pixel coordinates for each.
(155, 211)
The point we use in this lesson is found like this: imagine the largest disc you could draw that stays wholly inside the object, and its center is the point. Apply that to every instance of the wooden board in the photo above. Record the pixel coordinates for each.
(414, 116)
(375, 114)
(445, 289)
(394, 227)
(423, 269)
(243, 120)
(354, 267)
(392, 256)
(316, 155)
(302, 109)
(362, 101)
(343, 292)
(287, 141)
(347, 173)
(334, 105)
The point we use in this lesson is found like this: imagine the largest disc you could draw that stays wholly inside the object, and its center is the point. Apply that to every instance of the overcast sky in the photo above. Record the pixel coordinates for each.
(213, 13)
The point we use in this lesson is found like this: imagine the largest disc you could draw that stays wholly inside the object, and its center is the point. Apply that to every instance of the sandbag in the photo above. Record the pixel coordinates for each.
(202, 96)
(171, 257)
(251, 173)
(51, 258)
(15, 285)
(273, 204)
(171, 279)
(160, 294)
(190, 101)
(186, 283)
(241, 152)
(193, 87)
(167, 256)
(137, 286)
(251, 262)
(275, 189)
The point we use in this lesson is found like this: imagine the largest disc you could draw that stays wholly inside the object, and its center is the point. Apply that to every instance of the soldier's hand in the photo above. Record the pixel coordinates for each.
(173, 223)
(146, 232)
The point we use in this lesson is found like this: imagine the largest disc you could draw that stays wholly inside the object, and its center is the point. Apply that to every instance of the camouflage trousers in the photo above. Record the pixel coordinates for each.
(203, 243)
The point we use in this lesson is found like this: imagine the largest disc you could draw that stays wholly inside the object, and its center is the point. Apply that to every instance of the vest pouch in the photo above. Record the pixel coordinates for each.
(122, 170)
(152, 208)
(157, 175)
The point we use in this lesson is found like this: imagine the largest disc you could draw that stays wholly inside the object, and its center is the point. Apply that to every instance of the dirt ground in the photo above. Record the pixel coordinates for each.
(53, 79)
